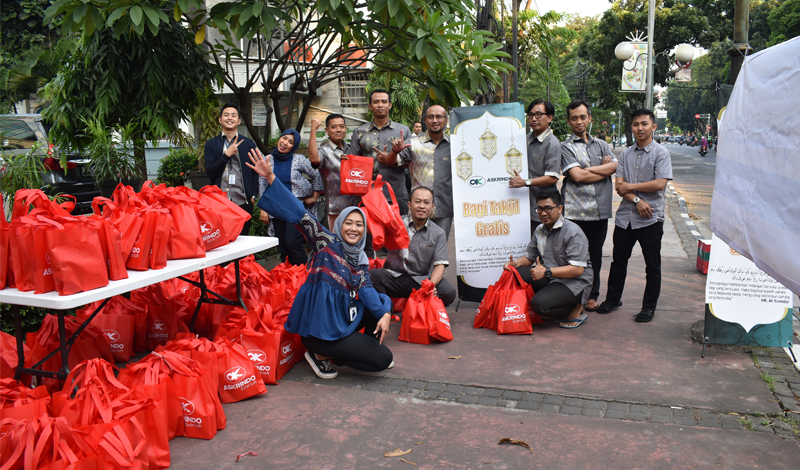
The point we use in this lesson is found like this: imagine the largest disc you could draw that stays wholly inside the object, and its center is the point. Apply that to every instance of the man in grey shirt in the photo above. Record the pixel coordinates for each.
(428, 160)
(327, 157)
(561, 275)
(425, 257)
(544, 155)
(588, 164)
(643, 172)
(379, 135)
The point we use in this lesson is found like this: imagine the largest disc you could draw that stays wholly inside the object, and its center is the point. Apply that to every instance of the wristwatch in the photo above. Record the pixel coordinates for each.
(636, 200)
(527, 182)
(548, 273)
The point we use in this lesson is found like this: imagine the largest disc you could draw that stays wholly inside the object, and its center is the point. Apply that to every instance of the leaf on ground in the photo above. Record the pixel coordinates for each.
(554, 345)
(406, 461)
(418, 443)
(454, 357)
(515, 442)
(246, 453)
(396, 453)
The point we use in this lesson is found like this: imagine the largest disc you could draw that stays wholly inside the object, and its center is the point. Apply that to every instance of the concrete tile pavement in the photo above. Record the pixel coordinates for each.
(612, 386)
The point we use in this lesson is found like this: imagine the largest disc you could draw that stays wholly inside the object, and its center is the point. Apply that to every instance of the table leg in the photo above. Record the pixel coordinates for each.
(18, 334)
(239, 285)
(62, 338)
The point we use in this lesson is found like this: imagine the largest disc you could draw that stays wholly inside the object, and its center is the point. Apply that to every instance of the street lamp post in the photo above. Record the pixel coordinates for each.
(651, 29)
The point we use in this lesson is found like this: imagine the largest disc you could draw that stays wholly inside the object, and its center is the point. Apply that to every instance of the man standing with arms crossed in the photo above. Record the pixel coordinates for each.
(544, 155)
(225, 157)
(377, 135)
(643, 172)
(588, 164)
(428, 160)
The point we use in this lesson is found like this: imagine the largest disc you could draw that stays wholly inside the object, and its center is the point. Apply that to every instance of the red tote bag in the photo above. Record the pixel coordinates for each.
(233, 217)
(512, 305)
(356, 175)
(414, 327)
(76, 257)
(384, 221)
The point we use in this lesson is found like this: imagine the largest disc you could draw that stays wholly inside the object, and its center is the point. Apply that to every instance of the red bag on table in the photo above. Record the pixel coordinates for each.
(384, 221)
(118, 323)
(76, 258)
(29, 253)
(512, 304)
(111, 247)
(139, 259)
(127, 224)
(356, 174)
(233, 217)
(213, 230)
(161, 235)
(186, 240)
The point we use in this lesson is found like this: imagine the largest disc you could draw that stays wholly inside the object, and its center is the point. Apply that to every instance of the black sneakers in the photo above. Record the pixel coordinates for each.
(322, 367)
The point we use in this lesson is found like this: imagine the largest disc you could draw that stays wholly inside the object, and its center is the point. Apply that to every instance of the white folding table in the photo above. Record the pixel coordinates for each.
(242, 247)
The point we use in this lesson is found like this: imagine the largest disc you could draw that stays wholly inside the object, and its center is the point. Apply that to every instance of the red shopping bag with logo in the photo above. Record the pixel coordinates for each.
(29, 254)
(151, 377)
(233, 217)
(239, 378)
(384, 221)
(414, 327)
(484, 317)
(356, 174)
(139, 259)
(186, 241)
(116, 323)
(161, 235)
(163, 321)
(110, 245)
(438, 321)
(512, 304)
(128, 225)
(76, 258)
(213, 230)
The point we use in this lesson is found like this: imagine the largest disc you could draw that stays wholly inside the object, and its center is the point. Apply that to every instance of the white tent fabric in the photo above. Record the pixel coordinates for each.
(756, 203)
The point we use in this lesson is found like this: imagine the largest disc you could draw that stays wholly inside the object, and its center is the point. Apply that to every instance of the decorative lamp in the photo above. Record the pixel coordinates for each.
(463, 163)
(624, 51)
(488, 143)
(513, 160)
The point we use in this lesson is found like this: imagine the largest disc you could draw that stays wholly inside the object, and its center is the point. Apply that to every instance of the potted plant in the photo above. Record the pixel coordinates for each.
(205, 116)
(174, 169)
(111, 155)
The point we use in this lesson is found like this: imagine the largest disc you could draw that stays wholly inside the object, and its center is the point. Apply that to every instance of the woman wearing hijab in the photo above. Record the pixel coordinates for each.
(337, 299)
(291, 169)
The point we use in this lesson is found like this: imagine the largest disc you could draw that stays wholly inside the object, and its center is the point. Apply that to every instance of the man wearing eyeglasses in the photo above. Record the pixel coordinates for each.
(544, 155)
(561, 275)
(643, 172)
(588, 164)
(428, 159)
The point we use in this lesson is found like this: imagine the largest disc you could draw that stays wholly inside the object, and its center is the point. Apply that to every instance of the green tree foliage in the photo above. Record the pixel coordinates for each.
(148, 80)
(784, 22)
(300, 45)
(23, 28)
(31, 71)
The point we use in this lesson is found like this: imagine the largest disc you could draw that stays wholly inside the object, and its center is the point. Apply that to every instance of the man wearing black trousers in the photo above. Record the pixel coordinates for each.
(225, 157)
(588, 164)
(642, 175)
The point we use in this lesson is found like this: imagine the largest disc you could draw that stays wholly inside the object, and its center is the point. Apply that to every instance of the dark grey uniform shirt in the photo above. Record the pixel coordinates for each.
(367, 138)
(640, 165)
(590, 201)
(564, 245)
(544, 159)
(330, 166)
(429, 165)
(426, 250)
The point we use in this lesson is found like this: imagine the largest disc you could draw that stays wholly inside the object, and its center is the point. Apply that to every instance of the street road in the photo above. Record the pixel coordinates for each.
(693, 176)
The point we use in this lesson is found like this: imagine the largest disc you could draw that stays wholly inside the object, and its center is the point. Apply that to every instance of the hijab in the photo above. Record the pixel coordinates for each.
(285, 156)
(282, 162)
(353, 253)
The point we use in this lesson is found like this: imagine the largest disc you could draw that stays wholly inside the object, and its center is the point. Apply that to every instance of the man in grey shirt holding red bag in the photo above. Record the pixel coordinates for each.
(561, 273)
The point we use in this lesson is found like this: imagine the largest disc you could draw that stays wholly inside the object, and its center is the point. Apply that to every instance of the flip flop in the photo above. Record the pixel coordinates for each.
(582, 318)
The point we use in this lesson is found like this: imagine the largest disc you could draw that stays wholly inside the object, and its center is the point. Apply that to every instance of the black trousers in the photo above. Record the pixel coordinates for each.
(550, 299)
(247, 207)
(649, 239)
(291, 243)
(360, 351)
(595, 231)
(400, 287)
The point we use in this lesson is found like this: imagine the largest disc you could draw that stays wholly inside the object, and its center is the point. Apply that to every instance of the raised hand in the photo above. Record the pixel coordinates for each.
(537, 272)
(516, 181)
(233, 147)
(260, 165)
(315, 123)
(398, 145)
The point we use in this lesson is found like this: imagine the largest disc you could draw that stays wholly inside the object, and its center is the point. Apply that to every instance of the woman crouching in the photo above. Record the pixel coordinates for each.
(337, 300)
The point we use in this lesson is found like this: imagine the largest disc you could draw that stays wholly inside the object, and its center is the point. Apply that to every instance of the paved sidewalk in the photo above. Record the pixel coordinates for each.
(610, 394)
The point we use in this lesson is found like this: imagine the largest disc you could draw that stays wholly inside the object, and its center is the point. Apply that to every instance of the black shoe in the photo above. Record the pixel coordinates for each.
(322, 368)
(646, 315)
(608, 307)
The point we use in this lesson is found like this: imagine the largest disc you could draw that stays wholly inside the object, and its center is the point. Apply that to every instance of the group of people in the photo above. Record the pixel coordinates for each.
(342, 296)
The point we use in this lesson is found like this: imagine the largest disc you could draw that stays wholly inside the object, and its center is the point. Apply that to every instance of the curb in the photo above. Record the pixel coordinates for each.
(684, 210)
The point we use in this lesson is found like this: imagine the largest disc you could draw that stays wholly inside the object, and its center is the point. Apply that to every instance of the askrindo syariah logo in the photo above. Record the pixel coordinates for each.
(112, 335)
(258, 357)
(207, 231)
(476, 181)
(186, 406)
(357, 173)
(287, 349)
(158, 326)
(235, 374)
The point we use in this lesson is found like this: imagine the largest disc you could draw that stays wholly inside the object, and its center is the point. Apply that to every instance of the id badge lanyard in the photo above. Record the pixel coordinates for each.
(353, 310)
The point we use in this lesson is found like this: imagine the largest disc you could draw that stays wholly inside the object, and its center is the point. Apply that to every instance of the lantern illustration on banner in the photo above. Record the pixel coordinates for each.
(488, 143)
(463, 163)
(513, 157)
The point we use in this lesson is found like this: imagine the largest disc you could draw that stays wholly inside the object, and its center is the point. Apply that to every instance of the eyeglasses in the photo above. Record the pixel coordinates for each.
(436, 117)
(536, 115)
(547, 209)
